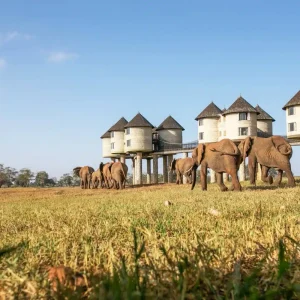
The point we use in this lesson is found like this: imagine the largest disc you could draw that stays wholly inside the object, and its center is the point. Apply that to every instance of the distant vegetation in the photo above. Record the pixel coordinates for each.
(130, 245)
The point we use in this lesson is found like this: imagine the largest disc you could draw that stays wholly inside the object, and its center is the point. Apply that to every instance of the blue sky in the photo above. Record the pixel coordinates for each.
(71, 69)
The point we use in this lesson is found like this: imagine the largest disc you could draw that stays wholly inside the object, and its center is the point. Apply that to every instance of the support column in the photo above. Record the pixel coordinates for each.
(165, 169)
(225, 177)
(155, 168)
(258, 176)
(170, 174)
(133, 171)
(242, 171)
(148, 170)
(139, 168)
(212, 176)
(184, 155)
(122, 159)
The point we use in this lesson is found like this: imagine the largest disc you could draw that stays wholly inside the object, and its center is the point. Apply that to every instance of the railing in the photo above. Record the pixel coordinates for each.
(165, 146)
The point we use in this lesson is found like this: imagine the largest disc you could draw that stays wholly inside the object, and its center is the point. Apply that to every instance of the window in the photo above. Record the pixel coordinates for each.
(201, 135)
(291, 111)
(224, 133)
(292, 126)
(112, 146)
(200, 122)
(243, 116)
(112, 134)
(127, 130)
(128, 143)
(243, 130)
(220, 133)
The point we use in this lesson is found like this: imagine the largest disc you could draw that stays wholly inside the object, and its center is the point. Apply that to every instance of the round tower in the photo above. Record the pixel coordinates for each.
(138, 135)
(106, 145)
(264, 123)
(208, 124)
(240, 120)
(170, 132)
(292, 109)
(117, 136)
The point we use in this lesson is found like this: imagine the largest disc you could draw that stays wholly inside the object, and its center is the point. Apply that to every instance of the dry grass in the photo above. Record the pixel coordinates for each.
(206, 245)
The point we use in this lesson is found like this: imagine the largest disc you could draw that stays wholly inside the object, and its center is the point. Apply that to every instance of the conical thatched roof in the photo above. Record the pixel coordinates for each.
(169, 123)
(119, 126)
(105, 135)
(263, 115)
(240, 105)
(139, 121)
(211, 111)
(294, 101)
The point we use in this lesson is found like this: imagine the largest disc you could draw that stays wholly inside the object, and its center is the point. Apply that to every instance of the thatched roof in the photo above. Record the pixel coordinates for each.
(169, 123)
(119, 126)
(139, 121)
(105, 135)
(263, 115)
(294, 101)
(211, 111)
(240, 105)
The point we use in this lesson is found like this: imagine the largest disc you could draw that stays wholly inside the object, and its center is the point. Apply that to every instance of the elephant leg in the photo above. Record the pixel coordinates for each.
(290, 177)
(81, 183)
(278, 178)
(220, 182)
(252, 169)
(235, 181)
(180, 178)
(264, 175)
(177, 178)
(203, 177)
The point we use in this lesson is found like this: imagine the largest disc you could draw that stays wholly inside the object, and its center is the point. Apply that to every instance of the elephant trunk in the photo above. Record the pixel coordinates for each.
(194, 176)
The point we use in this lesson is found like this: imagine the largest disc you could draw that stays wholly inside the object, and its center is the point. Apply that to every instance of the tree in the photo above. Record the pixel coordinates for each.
(24, 177)
(41, 178)
(65, 180)
(7, 175)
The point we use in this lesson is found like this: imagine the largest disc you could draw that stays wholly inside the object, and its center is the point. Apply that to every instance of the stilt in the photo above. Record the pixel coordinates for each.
(212, 176)
(184, 155)
(165, 169)
(122, 159)
(155, 168)
(170, 174)
(139, 168)
(242, 173)
(133, 171)
(148, 170)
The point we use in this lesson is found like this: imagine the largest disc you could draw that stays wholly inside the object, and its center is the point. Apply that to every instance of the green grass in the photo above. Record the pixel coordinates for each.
(129, 245)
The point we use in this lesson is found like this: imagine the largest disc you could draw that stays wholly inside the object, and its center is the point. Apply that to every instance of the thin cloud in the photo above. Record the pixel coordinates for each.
(14, 36)
(59, 57)
(2, 63)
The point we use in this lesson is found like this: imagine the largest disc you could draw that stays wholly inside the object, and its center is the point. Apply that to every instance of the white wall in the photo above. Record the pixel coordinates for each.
(291, 119)
(265, 126)
(141, 140)
(118, 141)
(210, 129)
(106, 145)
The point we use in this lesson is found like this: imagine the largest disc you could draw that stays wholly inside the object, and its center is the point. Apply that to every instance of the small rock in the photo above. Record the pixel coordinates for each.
(214, 212)
(168, 203)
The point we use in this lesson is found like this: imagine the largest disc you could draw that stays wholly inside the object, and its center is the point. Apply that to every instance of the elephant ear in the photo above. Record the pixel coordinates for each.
(173, 163)
(198, 153)
(281, 145)
(247, 146)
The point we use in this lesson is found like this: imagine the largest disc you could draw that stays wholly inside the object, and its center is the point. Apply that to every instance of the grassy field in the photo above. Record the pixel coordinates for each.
(128, 244)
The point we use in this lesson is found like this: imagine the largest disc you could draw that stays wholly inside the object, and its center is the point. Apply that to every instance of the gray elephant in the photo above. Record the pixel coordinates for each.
(118, 174)
(97, 179)
(182, 167)
(273, 152)
(222, 157)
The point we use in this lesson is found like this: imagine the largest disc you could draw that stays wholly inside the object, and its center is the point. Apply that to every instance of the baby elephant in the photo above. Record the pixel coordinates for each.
(182, 167)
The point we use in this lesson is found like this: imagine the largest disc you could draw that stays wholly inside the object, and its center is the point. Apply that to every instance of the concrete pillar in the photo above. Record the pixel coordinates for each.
(122, 159)
(155, 168)
(258, 176)
(170, 174)
(212, 176)
(242, 171)
(184, 155)
(148, 170)
(139, 168)
(225, 177)
(165, 169)
(133, 171)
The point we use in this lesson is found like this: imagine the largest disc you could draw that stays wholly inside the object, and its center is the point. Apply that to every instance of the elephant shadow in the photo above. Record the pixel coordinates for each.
(263, 187)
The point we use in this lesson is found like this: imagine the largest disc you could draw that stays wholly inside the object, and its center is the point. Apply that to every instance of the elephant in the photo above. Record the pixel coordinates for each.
(118, 173)
(97, 179)
(272, 152)
(85, 174)
(222, 157)
(105, 170)
(182, 167)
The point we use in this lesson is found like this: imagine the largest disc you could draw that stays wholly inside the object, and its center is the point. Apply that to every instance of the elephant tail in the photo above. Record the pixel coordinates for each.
(194, 169)
(76, 171)
(189, 170)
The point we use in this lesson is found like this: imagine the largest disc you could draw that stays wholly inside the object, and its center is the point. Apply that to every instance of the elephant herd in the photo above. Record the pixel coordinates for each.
(109, 175)
(222, 157)
(225, 157)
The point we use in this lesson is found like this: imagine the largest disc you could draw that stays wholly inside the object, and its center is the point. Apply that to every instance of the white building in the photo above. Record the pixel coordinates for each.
(264, 123)
(106, 146)
(138, 135)
(117, 136)
(292, 109)
(209, 124)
